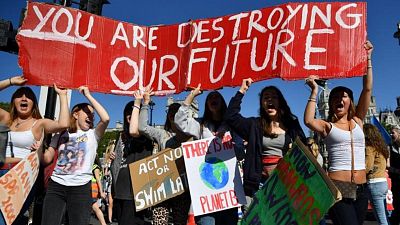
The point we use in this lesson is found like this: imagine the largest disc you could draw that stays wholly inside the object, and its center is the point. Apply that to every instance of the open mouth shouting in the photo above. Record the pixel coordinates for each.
(89, 122)
(339, 106)
(23, 106)
(270, 106)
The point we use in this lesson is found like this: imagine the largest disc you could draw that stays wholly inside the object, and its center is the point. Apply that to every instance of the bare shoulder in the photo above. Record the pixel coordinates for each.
(358, 121)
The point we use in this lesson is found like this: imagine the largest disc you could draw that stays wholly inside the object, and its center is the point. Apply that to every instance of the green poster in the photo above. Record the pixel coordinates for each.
(297, 192)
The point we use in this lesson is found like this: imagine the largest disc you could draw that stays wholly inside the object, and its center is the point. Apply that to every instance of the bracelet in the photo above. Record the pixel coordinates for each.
(369, 67)
(9, 79)
(135, 106)
(312, 100)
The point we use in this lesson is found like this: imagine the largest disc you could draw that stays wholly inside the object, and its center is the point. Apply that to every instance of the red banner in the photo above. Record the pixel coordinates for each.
(291, 41)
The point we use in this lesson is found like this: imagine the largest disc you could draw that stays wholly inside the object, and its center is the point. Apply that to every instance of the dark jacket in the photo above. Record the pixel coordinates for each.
(250, 130)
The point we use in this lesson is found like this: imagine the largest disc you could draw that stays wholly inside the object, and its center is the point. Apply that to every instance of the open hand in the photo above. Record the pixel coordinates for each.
(18, 80)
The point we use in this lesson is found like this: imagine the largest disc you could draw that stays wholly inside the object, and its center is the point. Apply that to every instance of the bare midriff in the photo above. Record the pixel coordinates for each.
(360, 177)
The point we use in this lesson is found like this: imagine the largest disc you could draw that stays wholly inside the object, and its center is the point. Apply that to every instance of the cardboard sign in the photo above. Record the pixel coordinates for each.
(16, 185)
(157, 178)
(213, 175)
(290, 41)
(297, 192)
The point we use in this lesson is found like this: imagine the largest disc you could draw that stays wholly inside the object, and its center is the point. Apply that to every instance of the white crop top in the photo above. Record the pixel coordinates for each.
(338, 144)
(21, 142)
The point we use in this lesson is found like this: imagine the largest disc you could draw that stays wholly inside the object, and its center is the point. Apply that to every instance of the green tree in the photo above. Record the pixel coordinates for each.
(5, 105)
(107, 137)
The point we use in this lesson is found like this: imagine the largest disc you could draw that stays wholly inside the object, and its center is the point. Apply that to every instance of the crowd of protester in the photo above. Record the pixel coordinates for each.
(357, 155)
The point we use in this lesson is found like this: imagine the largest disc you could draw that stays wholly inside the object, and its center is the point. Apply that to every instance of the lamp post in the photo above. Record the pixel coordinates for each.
(151, 106)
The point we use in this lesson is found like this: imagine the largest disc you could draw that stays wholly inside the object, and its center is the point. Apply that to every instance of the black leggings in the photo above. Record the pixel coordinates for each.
(77, 200)
(126, 213)
(348, 211)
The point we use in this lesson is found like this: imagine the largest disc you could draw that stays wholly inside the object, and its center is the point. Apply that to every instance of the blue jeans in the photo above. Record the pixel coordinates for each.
(225, 217)
(377, 195)
(77, 200)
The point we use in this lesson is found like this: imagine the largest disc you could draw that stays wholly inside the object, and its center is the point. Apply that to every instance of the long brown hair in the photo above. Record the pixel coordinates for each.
(286, 115)
(352, 109)
(373, 138)
(208, 115)
(27, 91)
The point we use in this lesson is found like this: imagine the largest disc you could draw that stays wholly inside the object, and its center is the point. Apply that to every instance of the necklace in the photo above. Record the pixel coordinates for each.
(21, 122)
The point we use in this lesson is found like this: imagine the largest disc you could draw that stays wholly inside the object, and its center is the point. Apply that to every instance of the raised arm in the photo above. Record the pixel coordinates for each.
(134, 123)
(17, 80)
(310, 121)
(365, 96)
(183, 121)
(104, 117)
(54, 126)
(153, 133)
(235, 120)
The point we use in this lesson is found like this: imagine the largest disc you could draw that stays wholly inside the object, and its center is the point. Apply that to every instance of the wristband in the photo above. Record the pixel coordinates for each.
(135, 106)
(312, 100)
(10, 81)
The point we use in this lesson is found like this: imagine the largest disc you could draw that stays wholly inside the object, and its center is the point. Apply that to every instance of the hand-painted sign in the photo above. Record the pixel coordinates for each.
(157, 178)
(213, 175)
(297, 192)
(15, 186)
(73, 48)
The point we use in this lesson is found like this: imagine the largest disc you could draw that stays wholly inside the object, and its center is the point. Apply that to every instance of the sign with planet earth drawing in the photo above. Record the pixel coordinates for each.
(213, 175)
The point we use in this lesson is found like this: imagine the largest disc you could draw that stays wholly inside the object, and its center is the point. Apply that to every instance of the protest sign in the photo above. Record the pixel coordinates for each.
(15, 186)
(213, 175)
(157, 178)
(290, 41)
(297, 192)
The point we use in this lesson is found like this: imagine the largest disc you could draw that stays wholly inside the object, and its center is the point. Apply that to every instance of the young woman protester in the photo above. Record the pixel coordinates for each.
(269, 136)
(27, 128)
(98, 192)
(169, 137)
(69, 187)
(314, 149)
(212, 124)
(376, 155)
(135, 147)
(345, 142)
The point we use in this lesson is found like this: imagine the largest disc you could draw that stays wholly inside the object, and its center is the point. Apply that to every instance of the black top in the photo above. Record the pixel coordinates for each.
(135, 149)
(250, 130)
(394, 170)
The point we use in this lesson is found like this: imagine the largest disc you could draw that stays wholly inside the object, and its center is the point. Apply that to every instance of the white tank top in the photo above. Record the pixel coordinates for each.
(21, 142)
(338, 144)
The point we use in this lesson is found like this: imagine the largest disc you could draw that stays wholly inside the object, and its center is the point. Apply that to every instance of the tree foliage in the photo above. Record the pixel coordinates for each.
(107, 137)
(6, 106)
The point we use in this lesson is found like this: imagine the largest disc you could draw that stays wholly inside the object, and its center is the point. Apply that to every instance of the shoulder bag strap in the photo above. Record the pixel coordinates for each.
(352, 153)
